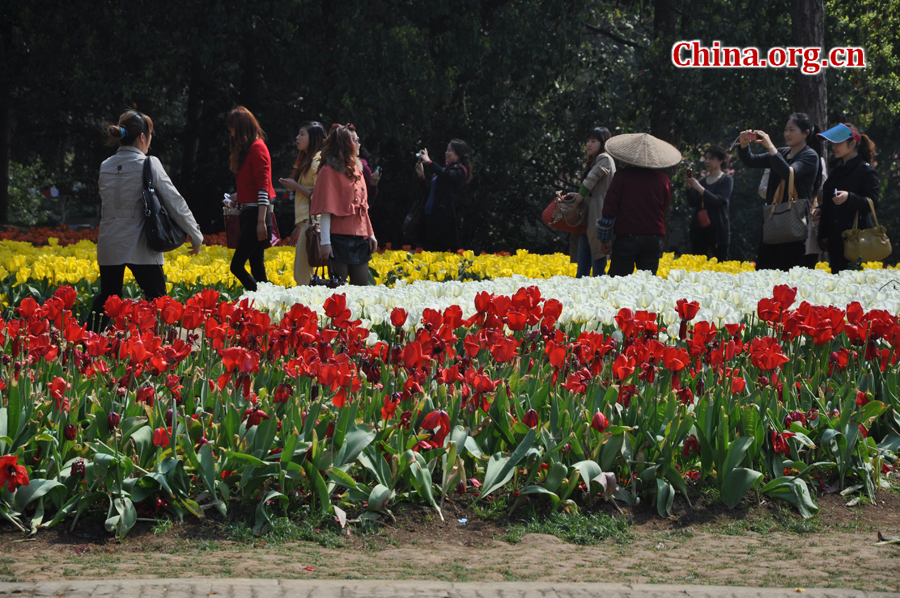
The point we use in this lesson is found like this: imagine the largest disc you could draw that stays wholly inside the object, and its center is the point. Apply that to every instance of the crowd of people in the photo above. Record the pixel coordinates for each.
(623, 188)
(624, 182)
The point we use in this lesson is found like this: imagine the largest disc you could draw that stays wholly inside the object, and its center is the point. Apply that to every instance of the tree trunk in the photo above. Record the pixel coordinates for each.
(191, 136)
(5, 124)
(663, 106)
(808, 30)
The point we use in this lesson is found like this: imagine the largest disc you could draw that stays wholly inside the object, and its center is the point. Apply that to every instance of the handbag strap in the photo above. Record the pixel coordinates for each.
(779, 193)
(874, 217)
(148, 185)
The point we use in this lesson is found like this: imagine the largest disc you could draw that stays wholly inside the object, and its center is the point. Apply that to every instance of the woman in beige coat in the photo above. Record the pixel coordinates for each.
(121, 242)
(598, 172)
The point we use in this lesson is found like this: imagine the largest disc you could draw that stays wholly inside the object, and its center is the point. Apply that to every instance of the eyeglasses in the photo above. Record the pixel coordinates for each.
(356, 140)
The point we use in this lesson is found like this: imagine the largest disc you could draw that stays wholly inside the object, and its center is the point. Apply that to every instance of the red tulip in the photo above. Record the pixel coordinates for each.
(329, 429)
(112, 420)
(146, 394)
(691, 445)
(784, 295)
(779, 442)
(78, 468)
(283, 392)
(440, 421)
(599, 422)
(530, 418)
(623, 367)
(687, 310)
(504, 349)
(398, 317)
(254, 416)
(70, 432)
(861, 399)
(161, 437)
(12, 475)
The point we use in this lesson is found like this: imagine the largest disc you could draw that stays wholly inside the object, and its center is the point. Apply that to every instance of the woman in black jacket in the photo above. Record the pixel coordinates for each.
(711, 193)
(850, 181)
(802, 152)
(439, 227)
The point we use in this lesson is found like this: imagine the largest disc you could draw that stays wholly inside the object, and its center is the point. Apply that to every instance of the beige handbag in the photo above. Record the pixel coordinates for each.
(869, 244)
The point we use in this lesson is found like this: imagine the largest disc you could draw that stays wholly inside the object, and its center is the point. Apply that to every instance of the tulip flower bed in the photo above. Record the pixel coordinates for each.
(36, 269)
(193, 408)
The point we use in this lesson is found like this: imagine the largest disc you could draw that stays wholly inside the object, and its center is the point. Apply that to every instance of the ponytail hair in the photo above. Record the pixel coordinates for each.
(131, 124)
(865, 147)
(804, 123)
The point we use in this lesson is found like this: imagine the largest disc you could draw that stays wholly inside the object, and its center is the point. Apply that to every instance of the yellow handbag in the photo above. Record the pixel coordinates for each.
(867, 245)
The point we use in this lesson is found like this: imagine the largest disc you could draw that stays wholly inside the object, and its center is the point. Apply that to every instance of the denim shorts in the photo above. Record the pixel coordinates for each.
(350, 249)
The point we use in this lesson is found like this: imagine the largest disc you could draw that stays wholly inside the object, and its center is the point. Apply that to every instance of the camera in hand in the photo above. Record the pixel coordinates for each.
(752, 136)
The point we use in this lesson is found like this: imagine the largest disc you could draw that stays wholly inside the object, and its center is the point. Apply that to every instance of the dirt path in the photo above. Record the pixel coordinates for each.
(762, 546)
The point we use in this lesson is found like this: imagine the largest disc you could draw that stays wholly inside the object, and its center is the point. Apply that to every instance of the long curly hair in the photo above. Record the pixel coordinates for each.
(245, 130)
(339, 148)
(316, 133)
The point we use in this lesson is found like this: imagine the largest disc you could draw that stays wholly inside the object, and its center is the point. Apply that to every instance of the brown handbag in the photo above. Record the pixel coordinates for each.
(869, 244)
(314, 254)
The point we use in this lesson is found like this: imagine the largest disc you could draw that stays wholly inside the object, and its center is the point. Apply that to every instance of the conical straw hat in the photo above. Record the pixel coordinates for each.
(643, 149)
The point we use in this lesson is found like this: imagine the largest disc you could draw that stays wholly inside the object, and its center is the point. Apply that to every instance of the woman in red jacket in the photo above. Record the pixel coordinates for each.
(251, 163)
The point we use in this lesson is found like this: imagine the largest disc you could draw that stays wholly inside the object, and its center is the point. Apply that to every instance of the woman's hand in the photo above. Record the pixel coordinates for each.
(423, 156)
(373, 244)
(695, 185)
(262, 232)
(744, 140)
(289, 184)
(229, 200)
(326, 251)
(295, 236)
(605, 247)
(763, 138)
(195, 249)
(376, 176)
(420, 170)
(840, 197)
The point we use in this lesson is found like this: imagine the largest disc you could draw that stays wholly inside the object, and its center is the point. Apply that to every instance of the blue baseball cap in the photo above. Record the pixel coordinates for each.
(839, 133)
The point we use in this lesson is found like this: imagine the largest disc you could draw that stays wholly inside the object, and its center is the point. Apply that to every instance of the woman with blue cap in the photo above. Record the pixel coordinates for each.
(851, 180)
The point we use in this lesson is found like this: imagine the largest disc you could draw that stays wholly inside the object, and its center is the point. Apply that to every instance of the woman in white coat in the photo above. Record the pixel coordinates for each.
(121, 242)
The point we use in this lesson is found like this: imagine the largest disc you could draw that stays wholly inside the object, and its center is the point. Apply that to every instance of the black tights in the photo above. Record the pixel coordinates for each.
(359, 273)
(251, 249)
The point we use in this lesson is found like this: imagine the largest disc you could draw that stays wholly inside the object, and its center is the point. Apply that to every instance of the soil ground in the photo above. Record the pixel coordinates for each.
(758, 544)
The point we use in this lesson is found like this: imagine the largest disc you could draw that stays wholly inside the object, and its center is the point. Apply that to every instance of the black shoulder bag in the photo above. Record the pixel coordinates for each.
(162, 232)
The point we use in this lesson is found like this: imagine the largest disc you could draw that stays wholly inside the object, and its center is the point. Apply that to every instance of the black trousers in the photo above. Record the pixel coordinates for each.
(782, 256)
(150, 277)
(630, 251)
(703, 242)
(251, 249)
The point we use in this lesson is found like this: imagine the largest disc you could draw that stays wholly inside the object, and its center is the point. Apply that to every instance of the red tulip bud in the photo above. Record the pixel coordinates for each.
(329, 431)
(599, 422)
(70, 431)
(112, 420)
(531, 418)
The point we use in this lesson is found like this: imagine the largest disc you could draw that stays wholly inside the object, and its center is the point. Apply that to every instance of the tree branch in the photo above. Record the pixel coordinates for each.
(612, 36)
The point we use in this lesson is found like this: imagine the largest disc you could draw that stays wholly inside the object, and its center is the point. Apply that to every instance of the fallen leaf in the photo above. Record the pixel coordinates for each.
(310, 568)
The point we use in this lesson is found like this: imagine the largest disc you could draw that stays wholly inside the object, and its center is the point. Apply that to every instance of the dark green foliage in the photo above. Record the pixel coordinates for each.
(521, 81)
